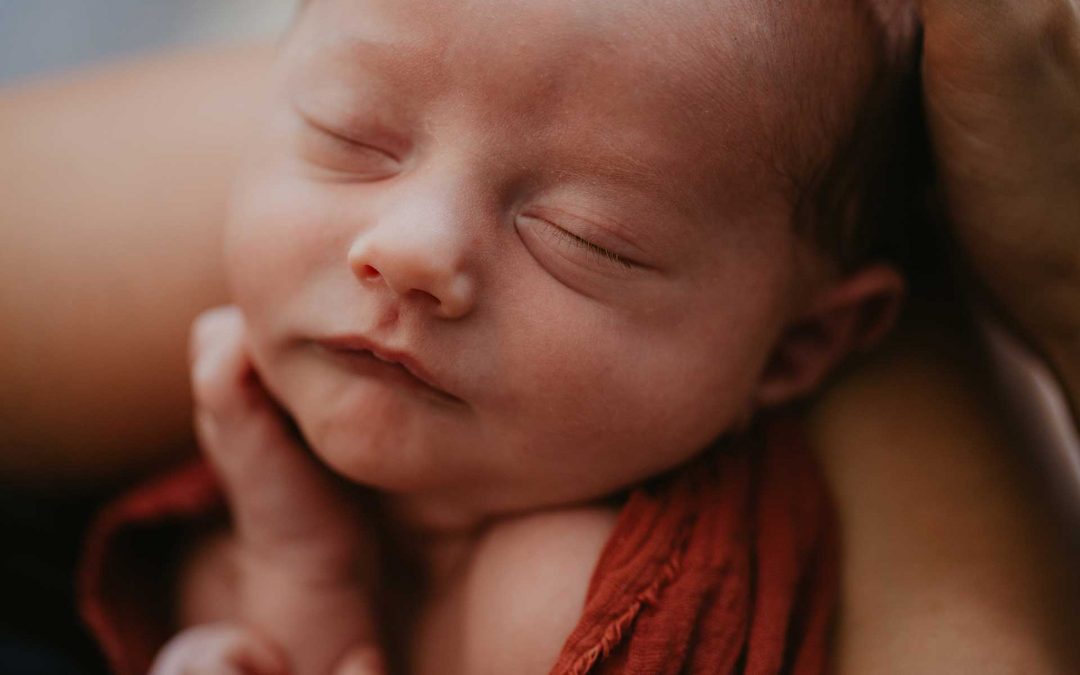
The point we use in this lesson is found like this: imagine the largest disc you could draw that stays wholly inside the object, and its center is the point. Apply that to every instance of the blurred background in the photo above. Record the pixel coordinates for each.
(47, 36)
(39, 631)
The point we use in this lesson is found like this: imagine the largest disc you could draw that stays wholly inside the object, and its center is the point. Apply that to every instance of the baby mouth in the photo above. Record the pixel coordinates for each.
(391, 367)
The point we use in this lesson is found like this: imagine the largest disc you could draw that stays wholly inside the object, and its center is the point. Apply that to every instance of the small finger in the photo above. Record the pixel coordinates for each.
(220, 367)
(235, 419)
(277, 492)
(365, 660)
(240, 427)
(258, 655)
(222, 649)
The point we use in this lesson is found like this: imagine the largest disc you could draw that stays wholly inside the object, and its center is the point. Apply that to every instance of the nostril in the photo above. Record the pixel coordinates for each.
(428, 297)
(368, 272)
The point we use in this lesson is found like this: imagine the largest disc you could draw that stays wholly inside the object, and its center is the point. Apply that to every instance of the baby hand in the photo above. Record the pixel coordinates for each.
(286, 507)
(228, 649)
(304, 559)
(221, 649)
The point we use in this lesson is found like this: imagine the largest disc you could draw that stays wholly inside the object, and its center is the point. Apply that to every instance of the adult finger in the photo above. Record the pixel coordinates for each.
(1002, 81)
(995, 15)
(1007, 37)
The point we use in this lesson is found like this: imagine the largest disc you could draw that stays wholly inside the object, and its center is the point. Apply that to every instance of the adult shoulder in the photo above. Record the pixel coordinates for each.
(954, 559)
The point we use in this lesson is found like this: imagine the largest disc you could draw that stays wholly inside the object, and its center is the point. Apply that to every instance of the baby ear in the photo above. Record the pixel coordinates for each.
(847, 317)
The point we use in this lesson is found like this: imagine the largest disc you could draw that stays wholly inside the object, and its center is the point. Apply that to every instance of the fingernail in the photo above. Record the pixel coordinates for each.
(208, 357)
(212, 323)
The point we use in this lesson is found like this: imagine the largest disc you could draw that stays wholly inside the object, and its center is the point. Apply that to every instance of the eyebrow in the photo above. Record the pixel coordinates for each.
(390, 57)
(609, 170)
(623, 170)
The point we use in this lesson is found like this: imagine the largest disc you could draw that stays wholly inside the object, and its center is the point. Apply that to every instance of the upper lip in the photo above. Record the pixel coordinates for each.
(359, 343)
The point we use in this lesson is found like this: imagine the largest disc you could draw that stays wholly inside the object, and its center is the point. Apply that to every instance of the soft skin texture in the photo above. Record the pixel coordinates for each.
(113, 188)
(592, 313)
(222, 650)
(300, 568)
(940, 479)
(499, 190)
(75, 437)
(303, 558)
(1003, 103)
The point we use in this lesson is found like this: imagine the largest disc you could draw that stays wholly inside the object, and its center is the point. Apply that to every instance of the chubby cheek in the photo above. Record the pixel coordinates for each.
(609, 401)
(273, 238)
(273, 247)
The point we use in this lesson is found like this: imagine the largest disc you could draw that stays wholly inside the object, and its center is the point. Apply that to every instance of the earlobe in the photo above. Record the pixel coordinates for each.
(850, 316)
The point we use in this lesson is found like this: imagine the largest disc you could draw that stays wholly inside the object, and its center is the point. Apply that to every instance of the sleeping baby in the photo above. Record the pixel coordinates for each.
(525, 296)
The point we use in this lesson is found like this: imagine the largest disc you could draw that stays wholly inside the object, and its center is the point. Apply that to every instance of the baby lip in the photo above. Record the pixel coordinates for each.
(356, 344)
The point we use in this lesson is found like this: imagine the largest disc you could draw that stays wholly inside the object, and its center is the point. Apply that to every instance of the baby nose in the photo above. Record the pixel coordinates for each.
(416, 268)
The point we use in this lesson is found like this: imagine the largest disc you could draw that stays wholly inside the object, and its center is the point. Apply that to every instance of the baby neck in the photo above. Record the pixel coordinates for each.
(429, 541)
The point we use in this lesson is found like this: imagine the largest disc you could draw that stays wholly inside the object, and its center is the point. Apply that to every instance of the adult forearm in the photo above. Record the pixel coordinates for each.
(113, 188)
(953, 557)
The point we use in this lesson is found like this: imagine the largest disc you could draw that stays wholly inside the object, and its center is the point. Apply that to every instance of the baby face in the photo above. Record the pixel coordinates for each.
(555, 218)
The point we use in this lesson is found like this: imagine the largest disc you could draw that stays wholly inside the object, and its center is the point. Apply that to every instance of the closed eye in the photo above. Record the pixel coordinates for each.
(566, 239)
(592, 249)
(344, 156)
(347, 142)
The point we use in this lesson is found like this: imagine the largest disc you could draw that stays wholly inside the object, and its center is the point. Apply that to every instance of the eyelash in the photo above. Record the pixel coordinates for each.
(355, 149)
(350, 145)
(596, 252)
(338, 151)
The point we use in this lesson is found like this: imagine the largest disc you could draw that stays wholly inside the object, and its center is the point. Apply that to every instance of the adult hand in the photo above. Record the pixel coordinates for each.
(1002, 88)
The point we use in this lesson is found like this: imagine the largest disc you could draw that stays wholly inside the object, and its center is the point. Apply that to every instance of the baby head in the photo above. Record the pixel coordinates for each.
(504, 254)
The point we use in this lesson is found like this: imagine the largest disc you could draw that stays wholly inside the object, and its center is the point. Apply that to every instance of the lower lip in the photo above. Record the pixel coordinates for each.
(363, 363)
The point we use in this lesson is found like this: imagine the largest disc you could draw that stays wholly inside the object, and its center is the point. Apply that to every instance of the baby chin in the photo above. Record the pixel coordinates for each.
(371, 422)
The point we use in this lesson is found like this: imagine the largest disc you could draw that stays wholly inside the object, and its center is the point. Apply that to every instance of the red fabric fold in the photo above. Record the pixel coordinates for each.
(124, 581)
(727, 565)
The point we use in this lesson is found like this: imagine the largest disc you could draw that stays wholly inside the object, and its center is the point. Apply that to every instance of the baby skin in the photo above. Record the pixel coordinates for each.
(498, 262)
(302, 565)
(298, 554)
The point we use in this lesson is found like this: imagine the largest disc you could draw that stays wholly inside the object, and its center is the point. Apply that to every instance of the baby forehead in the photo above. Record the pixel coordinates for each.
(738, 78)
(711, 51)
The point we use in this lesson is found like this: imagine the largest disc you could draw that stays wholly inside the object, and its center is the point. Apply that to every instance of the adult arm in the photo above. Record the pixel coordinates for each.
(954, 557)
(112, 194)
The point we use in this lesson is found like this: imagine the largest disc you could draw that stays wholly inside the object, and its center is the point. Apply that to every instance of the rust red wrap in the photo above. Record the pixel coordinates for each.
(727, 565)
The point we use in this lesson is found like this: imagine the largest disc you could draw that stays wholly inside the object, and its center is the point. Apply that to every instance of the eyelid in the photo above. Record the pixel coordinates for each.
(595, 225)
(383, 139)
(348, 140)
(603, 255)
